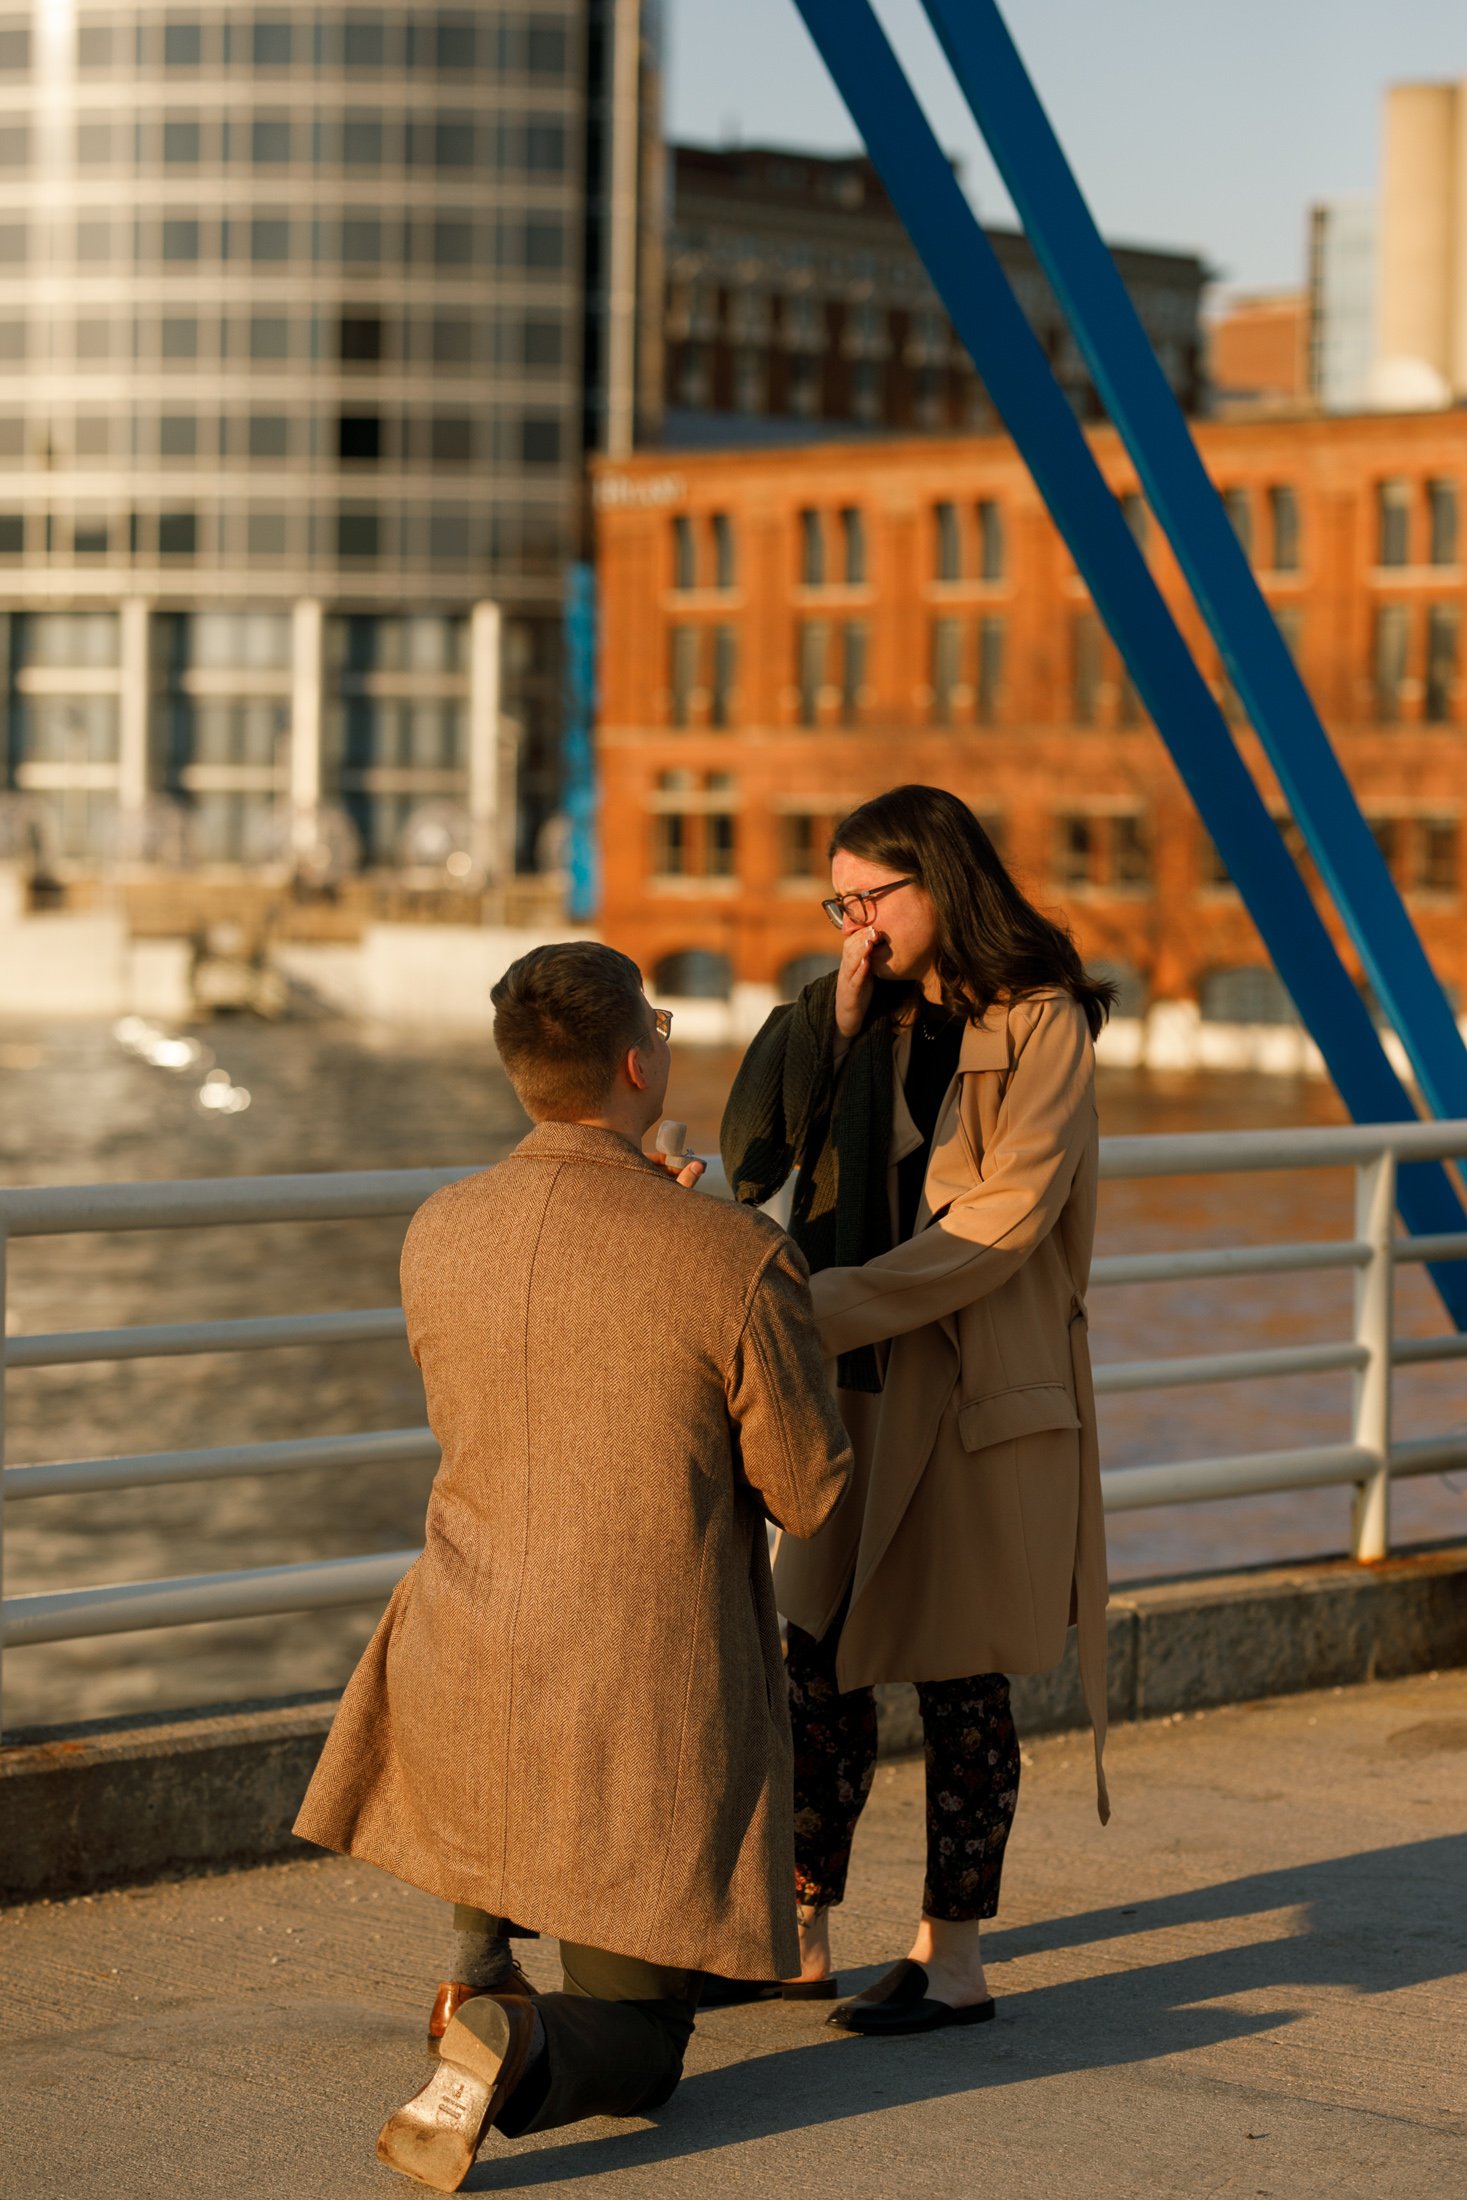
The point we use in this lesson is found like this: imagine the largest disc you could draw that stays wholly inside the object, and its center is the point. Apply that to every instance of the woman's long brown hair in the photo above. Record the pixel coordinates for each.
(993, 944)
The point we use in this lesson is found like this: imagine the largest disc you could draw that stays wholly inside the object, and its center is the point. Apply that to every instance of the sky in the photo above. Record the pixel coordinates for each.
(1202, 127)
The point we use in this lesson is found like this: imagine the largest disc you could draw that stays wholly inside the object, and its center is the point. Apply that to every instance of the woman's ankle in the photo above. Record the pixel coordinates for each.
(812, 1920)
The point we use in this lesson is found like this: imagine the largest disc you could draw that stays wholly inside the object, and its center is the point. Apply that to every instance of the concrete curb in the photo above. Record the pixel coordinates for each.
(137, 1798)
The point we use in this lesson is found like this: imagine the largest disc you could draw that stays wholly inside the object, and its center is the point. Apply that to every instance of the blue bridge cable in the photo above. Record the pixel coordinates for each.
(1140, 401)
(968, 278)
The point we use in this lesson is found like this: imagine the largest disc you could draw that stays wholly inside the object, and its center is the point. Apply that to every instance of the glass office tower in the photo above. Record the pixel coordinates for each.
(297, 357)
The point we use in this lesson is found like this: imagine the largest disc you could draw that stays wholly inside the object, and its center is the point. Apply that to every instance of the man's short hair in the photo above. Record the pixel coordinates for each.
(564, 1016)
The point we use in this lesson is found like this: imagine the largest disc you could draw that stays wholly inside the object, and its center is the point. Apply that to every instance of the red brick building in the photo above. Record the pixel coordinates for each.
(786, 632)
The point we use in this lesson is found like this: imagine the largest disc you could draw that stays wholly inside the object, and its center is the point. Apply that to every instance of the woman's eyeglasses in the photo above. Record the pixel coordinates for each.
(861, 906)
(662, 1022)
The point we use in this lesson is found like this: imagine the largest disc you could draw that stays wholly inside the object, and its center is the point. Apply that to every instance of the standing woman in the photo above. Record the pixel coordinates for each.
(937, 1095)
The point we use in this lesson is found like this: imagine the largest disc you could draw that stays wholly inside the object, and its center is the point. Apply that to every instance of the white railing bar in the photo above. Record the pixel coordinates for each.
(171, 1340)
(69, 1614)
(1429, 1455)
(1421, 1351)
(328, 1196)
(1450, 1245)
(1193, 1481)
(1229, 1260)
(1226, 1367)
(73, 1477)
(65, 1615)
(1336, 1145)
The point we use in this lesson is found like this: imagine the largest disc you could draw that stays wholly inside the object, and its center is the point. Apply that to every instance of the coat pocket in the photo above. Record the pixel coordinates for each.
(1027, 1410)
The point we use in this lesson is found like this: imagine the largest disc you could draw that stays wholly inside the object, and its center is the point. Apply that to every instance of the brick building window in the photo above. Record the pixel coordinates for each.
(1441, 507)
(853, 545)
(812, 549)
(1436, 858)
(725, 674)
(853, 650)
(1084, 667)
(1443, 624)
(723, 551)
(684, 644)
(800, 854)
(1393, 523)
(1392, 637)
(1283, 512)
(684, 553)
(947, 543)
(990, 540)
(947, 648)
(669, 845)
(1130, 853)
(814, 647)
(990, 669)
(720, 844)
(1075, 850)
(1238, 505)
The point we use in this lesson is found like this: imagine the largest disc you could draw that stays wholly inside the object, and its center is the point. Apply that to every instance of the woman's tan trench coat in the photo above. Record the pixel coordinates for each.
(973, 1534)
(573, 1711)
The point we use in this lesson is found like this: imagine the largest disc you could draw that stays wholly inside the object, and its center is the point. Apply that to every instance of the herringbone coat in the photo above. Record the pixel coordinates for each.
(974, 1535)
(573, 1711)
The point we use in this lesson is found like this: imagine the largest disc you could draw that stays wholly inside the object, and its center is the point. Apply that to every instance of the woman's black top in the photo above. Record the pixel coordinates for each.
(937, 1041)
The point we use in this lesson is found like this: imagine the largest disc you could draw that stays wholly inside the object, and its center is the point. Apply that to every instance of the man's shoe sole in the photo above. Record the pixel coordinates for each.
(435, 2136)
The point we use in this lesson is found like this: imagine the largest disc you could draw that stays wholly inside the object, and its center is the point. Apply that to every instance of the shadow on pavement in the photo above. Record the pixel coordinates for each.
(1371, 1922)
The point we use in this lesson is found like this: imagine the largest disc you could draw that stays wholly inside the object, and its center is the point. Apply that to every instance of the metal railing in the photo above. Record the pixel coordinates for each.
(1368, 1460)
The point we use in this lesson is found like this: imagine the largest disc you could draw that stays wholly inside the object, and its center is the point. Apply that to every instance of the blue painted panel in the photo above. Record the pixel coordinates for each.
(966, 274)
(1139, 400)
(578, 753)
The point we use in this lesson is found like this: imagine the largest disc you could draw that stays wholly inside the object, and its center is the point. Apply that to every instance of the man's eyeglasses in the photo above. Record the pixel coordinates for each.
(861, 906)
(662, 1022)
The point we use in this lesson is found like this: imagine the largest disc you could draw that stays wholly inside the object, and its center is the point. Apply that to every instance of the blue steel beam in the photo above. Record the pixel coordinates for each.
(967, 277)
(1139, 399)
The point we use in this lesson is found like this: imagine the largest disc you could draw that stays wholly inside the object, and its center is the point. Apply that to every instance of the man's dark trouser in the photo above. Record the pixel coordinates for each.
(615, 2037)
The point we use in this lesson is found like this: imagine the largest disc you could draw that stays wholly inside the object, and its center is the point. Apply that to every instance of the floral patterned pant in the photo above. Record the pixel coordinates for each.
(972, 1754)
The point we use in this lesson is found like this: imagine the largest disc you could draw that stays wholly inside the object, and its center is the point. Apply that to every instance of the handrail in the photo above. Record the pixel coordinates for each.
(1368, 1460)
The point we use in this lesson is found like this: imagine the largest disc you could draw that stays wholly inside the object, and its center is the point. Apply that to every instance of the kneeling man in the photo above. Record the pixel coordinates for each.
(573, 1711)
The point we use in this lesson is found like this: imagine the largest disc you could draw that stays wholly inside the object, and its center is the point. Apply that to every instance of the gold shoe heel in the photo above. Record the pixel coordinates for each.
(435, 2136)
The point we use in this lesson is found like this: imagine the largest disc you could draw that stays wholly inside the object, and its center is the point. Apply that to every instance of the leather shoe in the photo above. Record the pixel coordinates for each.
(899, 2002)
(453, 1993)
(435, 2136)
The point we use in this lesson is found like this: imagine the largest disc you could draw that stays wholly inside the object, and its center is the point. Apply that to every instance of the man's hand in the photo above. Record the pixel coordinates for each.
(683, 1168)
(853, 981)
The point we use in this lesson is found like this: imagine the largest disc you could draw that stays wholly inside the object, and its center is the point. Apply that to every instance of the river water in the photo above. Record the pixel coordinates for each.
(77, 1107)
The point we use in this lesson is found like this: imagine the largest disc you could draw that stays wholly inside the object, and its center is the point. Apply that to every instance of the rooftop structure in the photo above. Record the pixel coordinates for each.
(797, 305)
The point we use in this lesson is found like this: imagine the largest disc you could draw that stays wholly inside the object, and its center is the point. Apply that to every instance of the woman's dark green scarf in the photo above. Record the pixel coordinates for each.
(782, 1115)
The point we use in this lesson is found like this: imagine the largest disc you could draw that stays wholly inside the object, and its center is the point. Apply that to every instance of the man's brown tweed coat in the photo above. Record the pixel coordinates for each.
(573, 1711)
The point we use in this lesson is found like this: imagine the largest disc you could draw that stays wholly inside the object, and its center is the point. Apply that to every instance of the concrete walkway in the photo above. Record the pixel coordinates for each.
(1254, 1982)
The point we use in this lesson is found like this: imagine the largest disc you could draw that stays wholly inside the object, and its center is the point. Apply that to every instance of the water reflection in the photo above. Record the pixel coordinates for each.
(80, 1104)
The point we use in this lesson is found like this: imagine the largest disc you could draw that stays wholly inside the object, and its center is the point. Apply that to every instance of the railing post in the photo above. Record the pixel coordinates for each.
(1375, 1218)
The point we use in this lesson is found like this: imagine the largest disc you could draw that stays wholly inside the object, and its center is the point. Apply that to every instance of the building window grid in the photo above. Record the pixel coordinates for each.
(685, 649)
(725, 643)
(947, 668)
(947, 543)
(1443, 628)
(854, 643)
(853, 546)
(989, 692)
(812, 548)
(1283, 505)
(1085, 668)
(813, 650)
(1393, 523)
(1442, 521)
(991, 546)
(1391, 647)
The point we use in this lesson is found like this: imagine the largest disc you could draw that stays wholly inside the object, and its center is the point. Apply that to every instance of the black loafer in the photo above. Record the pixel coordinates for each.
(899, 2002)
(732, 1993)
